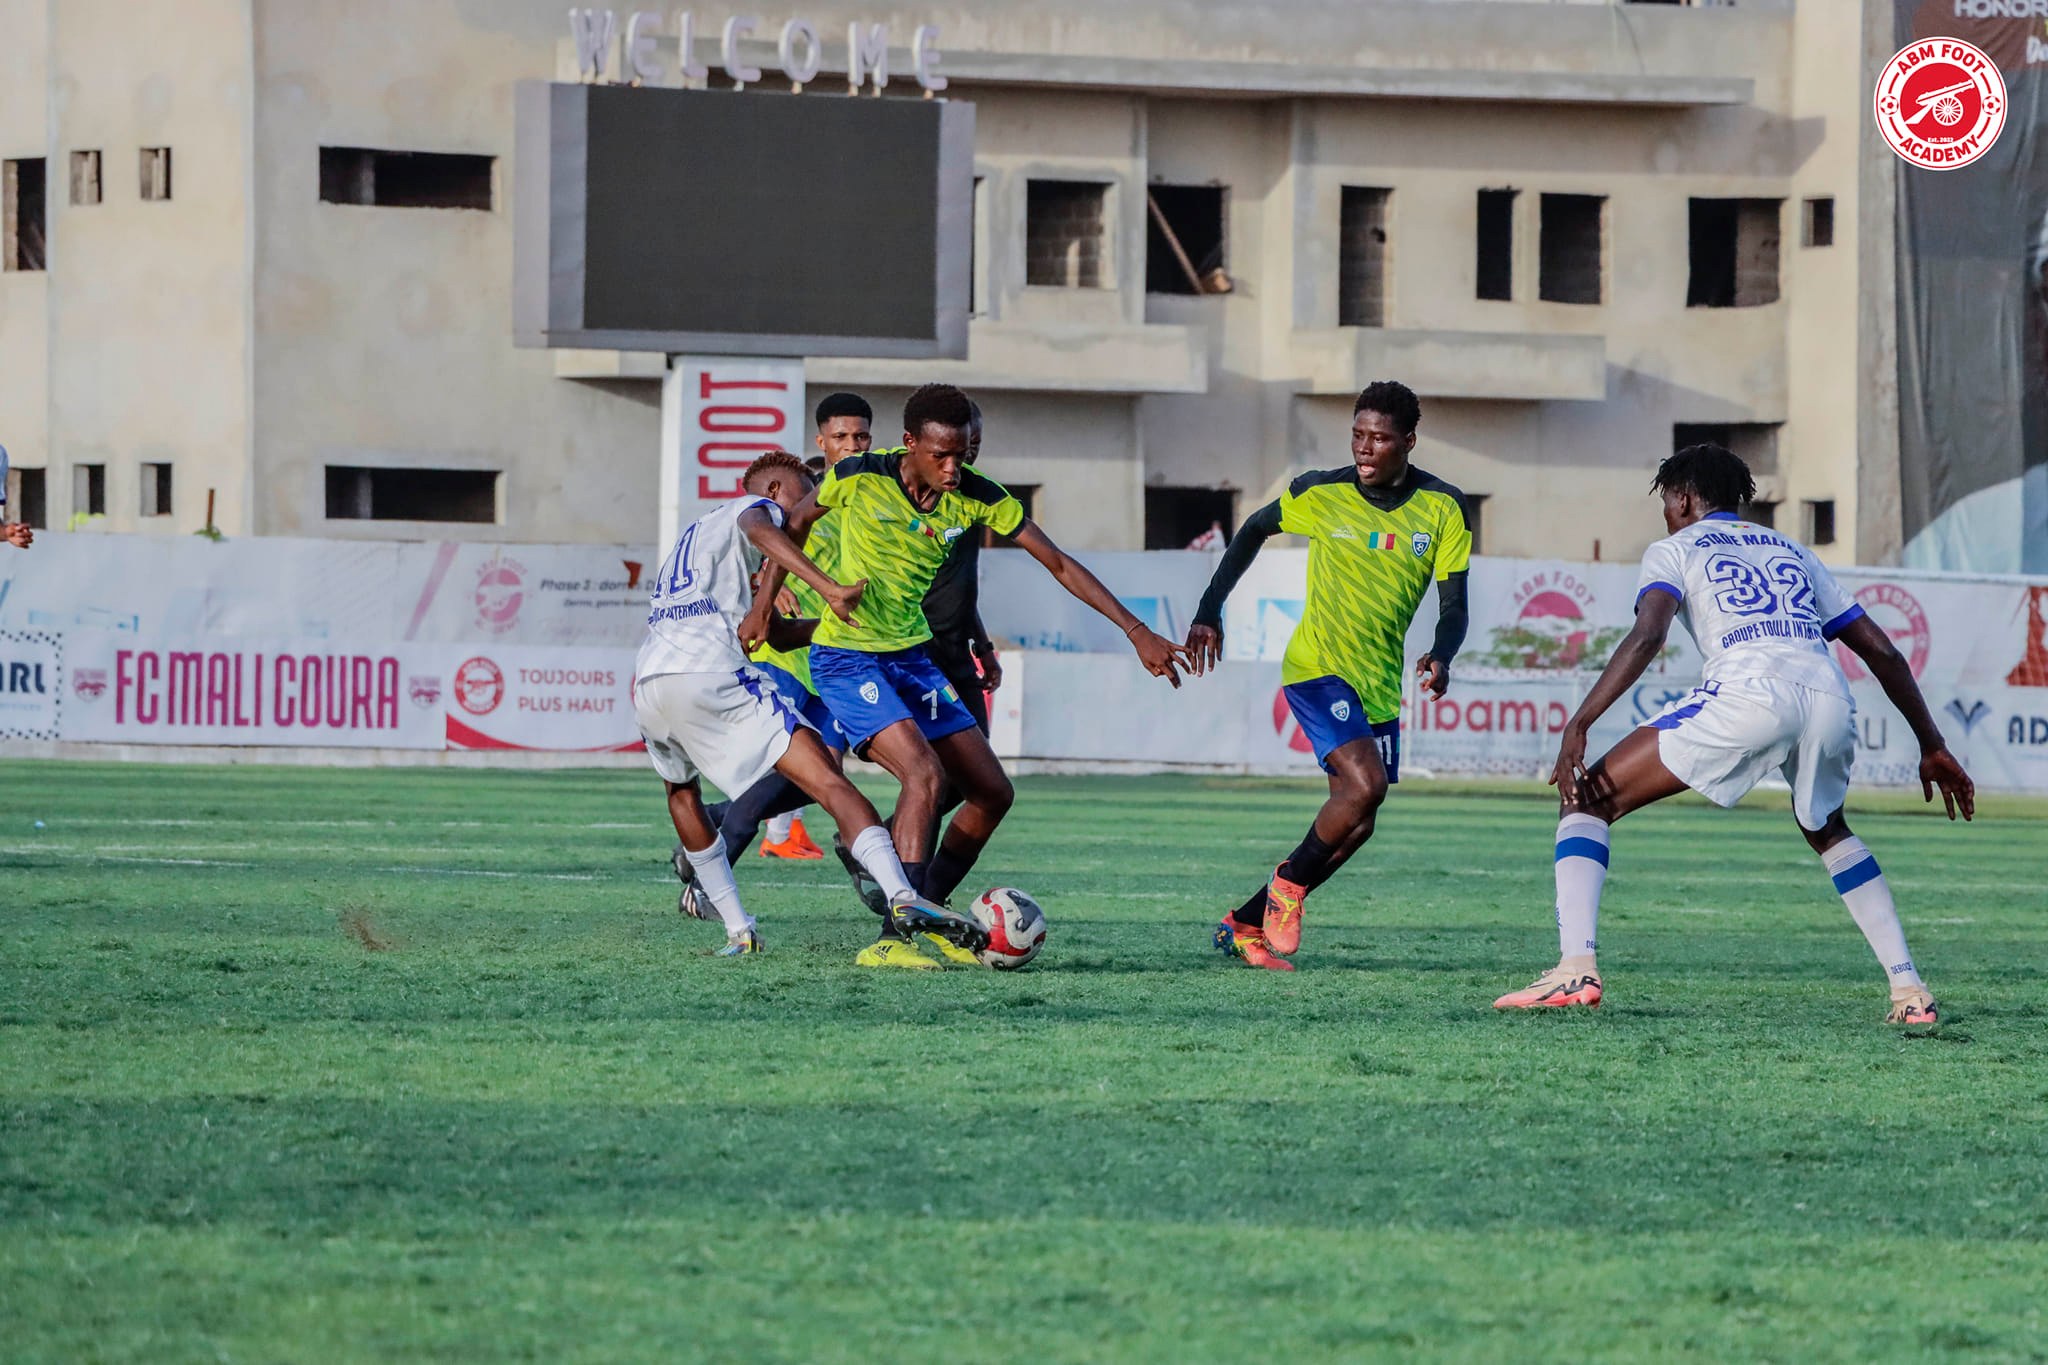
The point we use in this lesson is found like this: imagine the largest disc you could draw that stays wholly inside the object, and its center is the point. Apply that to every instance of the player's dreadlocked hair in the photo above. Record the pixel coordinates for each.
(1393, 398)
(1715, 474)
(939, 404)
(843, 405)
(777, 461)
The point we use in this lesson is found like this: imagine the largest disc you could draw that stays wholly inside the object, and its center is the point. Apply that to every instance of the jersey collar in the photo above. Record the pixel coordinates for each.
(1391, 497)
(1720, 516)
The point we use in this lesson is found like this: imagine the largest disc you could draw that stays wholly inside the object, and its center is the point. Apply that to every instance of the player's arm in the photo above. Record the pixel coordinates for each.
(1157, 653)
(1205, 636)
(768, 583)
(1453, 619)
(984, 650)
(790, 632)
(1643, 646)
(784, 556)
(1938, 767)
(1451, 561)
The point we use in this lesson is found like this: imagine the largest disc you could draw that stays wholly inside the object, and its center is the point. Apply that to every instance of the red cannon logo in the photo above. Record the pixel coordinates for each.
(1940, 103)
(1902, 617)
(479, 686)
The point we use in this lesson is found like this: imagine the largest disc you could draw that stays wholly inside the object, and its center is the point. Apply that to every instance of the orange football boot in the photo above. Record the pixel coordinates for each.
(1283, 914)
(798, 845)
(1248, 942)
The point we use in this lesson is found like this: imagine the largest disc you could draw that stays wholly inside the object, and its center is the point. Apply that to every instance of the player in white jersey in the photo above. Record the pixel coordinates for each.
(705, 711)
(1772, 699)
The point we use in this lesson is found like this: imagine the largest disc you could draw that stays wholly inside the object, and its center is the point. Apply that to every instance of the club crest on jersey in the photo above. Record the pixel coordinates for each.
(945, 535)
(870, 693)
(1341, 710)
(1419, 543)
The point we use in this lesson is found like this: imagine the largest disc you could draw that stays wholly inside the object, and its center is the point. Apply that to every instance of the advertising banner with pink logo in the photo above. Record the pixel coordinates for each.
(542, 699)
(143, 639)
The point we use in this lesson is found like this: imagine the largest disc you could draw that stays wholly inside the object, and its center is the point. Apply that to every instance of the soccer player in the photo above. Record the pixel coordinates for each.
(1771, 699)
(952, 608)
(1380, 530)
(900, 512)
(959, 643)
(845, 427)
(703, 709)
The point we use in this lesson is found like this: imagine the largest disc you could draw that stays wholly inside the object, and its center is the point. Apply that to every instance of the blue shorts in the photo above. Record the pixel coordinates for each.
(805, 703)
(868, 693)
(1331, 715)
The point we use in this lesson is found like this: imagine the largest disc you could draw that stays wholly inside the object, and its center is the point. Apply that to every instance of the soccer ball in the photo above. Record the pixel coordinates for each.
(1015, 927)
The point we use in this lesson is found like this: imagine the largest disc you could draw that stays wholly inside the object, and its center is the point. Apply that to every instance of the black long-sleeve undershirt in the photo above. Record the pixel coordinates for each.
(1453, 612)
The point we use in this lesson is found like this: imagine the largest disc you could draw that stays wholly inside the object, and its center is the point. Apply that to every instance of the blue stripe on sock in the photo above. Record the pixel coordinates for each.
(1582, 847)
(1860, 874)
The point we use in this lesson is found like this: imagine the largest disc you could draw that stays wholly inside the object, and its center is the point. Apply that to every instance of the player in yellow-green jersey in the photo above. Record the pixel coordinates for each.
(1380, 533)
(900, 512)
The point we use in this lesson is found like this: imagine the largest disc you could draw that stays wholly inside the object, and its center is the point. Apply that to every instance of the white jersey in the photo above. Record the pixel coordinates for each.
(701, 595)
(1758, 605)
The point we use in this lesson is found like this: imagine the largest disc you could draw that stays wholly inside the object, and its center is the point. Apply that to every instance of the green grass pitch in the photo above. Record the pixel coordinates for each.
(360, 1065)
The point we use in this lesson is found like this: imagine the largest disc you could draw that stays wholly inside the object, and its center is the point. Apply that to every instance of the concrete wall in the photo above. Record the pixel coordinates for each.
(147, 301)
(24, 295)
(384, 334)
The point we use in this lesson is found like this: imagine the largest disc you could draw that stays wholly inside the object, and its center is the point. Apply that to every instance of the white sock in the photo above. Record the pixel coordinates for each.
(1581, 872)
(877, 853)
(778, 828)
(1869, 900)
(714, 878)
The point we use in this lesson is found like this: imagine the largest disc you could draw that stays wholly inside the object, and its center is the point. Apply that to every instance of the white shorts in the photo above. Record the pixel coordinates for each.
(729, 727)
(1728, 736)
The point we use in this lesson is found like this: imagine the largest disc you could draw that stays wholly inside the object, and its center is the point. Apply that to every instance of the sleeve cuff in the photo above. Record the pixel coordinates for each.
(1659, 586)
(1842, 622)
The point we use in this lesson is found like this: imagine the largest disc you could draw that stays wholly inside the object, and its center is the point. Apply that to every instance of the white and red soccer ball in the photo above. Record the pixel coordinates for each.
(1014, 924)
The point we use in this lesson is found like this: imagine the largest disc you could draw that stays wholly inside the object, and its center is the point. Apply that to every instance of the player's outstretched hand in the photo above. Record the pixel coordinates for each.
(1958, 793)
(1159, 654)
(19, 534)
(1435, 676)
(786, 603)
(1571, 765)
(1204, 649)
(844, 598)
(991, 670)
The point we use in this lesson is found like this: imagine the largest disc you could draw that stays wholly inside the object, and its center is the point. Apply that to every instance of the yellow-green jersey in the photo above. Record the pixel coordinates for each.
(822, 545)
(1371, 557)
(898, 547)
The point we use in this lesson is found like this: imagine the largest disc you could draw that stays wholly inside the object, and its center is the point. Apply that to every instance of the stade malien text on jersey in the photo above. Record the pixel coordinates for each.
(1758, 630)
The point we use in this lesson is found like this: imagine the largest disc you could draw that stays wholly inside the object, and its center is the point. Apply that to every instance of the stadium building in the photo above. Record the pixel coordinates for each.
(261, 253)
